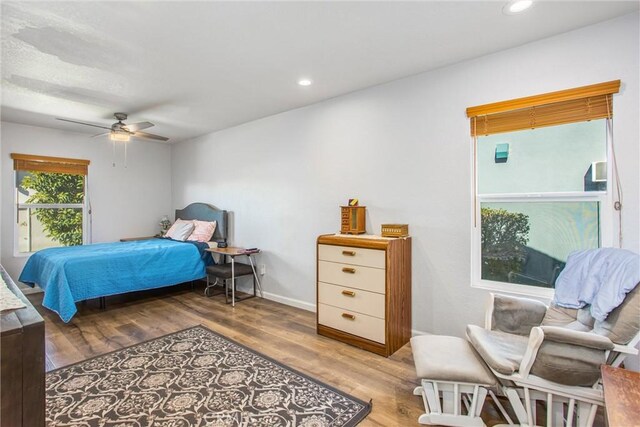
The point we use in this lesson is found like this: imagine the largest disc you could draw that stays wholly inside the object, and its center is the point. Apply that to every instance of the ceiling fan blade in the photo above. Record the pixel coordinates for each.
(100, 134)
(82, 123)
(150, 136)
(134, 127)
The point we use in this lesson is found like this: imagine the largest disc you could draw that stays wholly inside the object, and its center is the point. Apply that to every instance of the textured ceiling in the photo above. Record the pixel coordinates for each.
(196, 67)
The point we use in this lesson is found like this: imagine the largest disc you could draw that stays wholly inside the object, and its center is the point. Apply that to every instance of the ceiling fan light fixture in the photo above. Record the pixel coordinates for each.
(305, 82)
(515, 7)
(120, 131)
(119, 136)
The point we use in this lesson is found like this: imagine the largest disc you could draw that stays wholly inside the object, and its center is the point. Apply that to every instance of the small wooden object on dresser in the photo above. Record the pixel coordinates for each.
(364, 291)
(394, 230)
(353, 219)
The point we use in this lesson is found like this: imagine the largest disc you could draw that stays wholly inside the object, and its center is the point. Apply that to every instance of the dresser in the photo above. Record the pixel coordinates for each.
(22, 349)
(364, 291)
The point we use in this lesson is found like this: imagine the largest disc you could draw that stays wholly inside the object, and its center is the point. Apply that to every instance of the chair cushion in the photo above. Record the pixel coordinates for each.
(623, 323)
(516, 315)
(501, 351)
(577, 320)
(568, 364)
(443, 358)
(224, 270)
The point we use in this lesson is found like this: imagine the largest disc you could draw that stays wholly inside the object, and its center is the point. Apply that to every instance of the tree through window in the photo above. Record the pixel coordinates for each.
(50, 202)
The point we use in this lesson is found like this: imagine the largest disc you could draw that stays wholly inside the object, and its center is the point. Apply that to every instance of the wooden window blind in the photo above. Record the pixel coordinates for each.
(549, 109)
(28, 162)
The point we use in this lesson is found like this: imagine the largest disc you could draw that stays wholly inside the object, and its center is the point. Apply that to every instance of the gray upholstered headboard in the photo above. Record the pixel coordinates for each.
(205, 212)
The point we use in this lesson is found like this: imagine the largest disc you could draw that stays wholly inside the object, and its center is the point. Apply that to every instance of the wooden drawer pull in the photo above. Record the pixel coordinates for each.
(349, 253)
(349, 293)
(348, 316)
(348, 270)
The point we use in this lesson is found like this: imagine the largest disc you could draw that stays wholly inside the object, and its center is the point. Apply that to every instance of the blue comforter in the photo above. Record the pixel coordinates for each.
(77, 273)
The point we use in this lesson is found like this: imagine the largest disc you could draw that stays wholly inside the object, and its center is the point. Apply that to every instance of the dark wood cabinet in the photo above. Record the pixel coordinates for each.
(22, 376)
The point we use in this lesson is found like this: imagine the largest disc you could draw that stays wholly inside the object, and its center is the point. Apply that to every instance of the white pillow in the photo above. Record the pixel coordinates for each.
(180, 230)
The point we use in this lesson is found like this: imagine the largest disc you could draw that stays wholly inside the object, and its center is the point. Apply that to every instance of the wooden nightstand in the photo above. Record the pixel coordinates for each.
(133, 239)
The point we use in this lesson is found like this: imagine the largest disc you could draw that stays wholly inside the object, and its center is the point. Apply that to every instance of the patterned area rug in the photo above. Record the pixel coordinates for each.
(194, 377)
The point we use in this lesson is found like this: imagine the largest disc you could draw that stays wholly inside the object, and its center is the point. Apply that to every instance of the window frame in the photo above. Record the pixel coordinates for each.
(606, 211)
(18, 206)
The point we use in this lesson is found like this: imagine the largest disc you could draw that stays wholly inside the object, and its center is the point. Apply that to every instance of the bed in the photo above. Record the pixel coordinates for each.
(77, 273)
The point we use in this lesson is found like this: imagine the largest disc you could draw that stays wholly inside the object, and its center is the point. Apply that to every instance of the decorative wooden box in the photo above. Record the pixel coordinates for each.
(395, 230)
(353, 220)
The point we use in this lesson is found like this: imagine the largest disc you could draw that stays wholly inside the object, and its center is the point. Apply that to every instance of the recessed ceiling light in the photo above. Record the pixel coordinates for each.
(304, 82)
(517, 6)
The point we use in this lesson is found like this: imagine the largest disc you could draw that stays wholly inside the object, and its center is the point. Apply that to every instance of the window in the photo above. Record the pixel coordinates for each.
(50, 202)
(541, 185)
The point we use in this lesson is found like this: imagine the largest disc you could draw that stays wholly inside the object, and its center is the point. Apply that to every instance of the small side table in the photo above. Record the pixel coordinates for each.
(232, 270)
(621, 395)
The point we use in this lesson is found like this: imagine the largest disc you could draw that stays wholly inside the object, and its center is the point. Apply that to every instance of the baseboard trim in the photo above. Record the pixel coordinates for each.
(290, 301)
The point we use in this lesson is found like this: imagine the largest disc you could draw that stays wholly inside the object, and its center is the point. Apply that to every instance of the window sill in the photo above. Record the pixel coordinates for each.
(513, 288)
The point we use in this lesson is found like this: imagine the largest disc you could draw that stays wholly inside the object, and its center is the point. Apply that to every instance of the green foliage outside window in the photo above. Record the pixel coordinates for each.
(63, 225)
(504, 236)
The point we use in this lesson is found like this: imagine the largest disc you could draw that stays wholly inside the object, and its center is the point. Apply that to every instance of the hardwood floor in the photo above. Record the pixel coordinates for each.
(284, 333)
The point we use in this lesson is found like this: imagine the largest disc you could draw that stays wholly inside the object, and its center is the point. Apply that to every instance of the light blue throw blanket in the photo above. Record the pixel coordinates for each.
(600, 277)
(77, 273)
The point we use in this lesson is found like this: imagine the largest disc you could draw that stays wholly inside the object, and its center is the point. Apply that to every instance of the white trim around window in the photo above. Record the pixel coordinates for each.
(607, 221)
(18, 206)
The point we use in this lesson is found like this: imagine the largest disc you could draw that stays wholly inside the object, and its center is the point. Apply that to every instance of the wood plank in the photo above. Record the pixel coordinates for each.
(597, 89)
(621, 395)
(33, 157)
(11, 372)
(284, 333)
(23, 363)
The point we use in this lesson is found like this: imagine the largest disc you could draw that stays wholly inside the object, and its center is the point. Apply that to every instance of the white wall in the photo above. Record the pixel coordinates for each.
(126, 201)
(403, 148)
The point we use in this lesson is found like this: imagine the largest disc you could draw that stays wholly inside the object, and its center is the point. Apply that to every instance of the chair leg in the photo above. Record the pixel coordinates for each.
(442, 399)
(500, 407)
(516, 404)
(561, 410)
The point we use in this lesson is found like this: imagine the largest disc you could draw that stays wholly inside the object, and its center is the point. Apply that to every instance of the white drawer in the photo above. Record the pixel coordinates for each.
(358, 324)
(349, 255)
(352, 276)
(352, 299)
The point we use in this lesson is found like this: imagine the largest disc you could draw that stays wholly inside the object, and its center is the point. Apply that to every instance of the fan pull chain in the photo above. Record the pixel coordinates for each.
(113, 160)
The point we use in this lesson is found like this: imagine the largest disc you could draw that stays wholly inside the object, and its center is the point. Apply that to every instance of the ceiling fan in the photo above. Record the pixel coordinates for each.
(120, 131)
